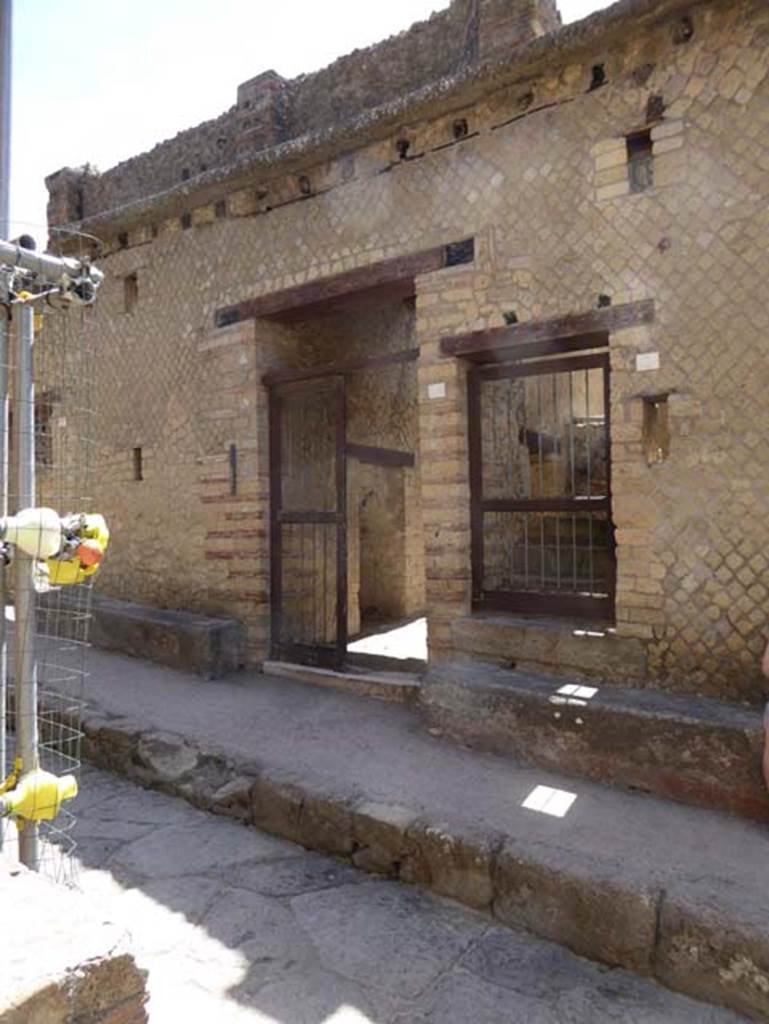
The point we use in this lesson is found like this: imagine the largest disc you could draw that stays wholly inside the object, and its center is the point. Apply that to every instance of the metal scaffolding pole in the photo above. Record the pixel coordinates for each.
(5, 189)
(25, 661)
(3, 512)
(5, 116)
(26, 277)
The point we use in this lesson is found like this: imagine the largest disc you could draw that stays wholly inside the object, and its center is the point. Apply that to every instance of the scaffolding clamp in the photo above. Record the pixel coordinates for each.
(37, 796)
(13, 778)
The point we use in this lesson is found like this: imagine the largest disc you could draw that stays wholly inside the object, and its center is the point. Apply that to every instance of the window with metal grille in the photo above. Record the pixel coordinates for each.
(540, 485)
(44, 406)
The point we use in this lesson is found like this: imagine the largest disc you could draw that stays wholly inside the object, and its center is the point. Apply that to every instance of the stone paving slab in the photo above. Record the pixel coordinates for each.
(620, 877)
(238, 927)
(60, 961)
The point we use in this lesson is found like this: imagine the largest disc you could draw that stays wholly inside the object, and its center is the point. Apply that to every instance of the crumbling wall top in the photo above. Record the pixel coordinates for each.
(271, 110)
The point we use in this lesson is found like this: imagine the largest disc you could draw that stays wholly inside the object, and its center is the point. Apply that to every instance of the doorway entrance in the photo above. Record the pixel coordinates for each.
(308, 521)
(347, 563)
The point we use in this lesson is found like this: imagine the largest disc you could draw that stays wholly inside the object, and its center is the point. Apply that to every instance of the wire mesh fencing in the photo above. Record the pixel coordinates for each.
(50, 417)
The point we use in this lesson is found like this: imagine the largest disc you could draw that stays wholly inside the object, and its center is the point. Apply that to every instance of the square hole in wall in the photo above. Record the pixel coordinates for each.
(457, 253)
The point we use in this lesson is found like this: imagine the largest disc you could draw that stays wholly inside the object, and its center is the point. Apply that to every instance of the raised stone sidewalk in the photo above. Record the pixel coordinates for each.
(628, 880)
(238, 927)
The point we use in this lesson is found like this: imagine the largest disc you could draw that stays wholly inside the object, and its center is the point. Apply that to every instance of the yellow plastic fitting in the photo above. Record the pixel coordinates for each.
(38, 796)
(65, 571)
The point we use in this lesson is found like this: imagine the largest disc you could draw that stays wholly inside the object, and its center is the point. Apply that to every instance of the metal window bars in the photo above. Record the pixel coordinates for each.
(542, 539)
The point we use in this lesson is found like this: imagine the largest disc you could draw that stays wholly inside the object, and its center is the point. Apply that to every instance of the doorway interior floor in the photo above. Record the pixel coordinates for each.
(404, 642)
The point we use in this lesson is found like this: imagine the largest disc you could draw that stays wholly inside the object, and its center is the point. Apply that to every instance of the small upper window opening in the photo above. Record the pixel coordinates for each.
(655, 108)
(305, 186)
(122, 239)
(185, 173)
(598, 77)
(220, 209)
(684, 30)
(137, 462)
(460, 128)
(640, 162)
(457, 253)
(186, 220)
(130, 292)
(402, 147)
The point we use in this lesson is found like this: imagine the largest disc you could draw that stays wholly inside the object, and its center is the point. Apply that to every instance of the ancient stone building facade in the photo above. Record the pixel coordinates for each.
(434, 217)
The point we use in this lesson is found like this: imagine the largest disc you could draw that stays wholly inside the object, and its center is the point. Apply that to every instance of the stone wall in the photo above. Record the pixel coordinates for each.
(541, 181)
(271, 110)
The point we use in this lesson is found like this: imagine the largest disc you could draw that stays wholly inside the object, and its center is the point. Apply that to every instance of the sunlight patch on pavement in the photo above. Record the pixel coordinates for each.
(347, 1015)
(546, 800)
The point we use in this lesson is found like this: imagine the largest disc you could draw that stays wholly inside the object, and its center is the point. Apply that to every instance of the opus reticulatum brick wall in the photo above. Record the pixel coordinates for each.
(521, 135)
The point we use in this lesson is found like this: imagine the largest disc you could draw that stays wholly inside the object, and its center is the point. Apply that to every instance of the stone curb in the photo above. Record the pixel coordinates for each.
(590, 907)
(400, 688)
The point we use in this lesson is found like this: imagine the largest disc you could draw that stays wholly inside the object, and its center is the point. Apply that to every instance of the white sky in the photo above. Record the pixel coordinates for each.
(101, 80)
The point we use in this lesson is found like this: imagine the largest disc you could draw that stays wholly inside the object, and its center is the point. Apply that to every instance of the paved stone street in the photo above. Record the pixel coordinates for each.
(237, 927)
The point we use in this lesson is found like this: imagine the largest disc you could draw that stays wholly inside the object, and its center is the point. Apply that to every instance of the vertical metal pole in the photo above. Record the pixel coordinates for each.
(25, 661)
(3, 512)
(341, 529)
(5, 189)
(5, 116)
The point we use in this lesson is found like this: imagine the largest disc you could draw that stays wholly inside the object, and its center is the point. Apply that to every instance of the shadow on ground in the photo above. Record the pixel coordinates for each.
(237, 926)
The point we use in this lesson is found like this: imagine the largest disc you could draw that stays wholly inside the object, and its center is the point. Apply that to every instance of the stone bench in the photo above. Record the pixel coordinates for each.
(693, 749)
(209, 647)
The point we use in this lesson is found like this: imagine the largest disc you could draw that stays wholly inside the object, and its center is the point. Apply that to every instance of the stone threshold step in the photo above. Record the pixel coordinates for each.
(696, 750)
(400, 687)
(663, 889)
(560, 647)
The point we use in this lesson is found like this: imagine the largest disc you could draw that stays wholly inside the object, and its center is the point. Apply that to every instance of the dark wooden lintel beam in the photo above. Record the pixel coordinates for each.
(313, 294)
(490, 344)
(379, 456)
